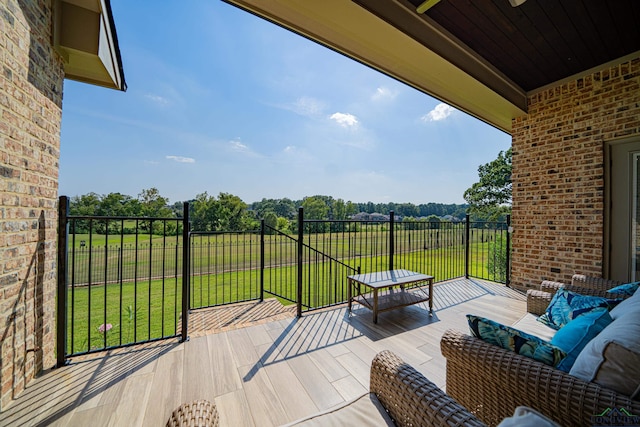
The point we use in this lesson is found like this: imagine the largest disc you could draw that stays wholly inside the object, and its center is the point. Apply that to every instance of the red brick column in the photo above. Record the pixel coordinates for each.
(558, 172)
(31, 79)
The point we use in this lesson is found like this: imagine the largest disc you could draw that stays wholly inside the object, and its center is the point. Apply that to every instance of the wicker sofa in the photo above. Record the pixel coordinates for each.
(491, 381)
(399, 395)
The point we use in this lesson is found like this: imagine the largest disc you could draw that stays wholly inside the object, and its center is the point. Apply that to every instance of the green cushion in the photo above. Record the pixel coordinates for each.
(515, 340)
(575, 335)
(566, 305)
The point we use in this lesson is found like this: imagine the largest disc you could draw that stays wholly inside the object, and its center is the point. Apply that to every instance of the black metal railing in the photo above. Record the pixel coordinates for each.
(111, 297)
(126, 280)
(488, 250)
(225, 268)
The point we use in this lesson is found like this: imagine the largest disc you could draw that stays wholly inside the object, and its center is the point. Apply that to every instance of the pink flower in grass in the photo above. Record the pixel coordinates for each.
(104, 328)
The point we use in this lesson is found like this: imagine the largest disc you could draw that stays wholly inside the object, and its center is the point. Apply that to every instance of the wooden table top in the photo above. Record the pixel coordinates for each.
(382, 279)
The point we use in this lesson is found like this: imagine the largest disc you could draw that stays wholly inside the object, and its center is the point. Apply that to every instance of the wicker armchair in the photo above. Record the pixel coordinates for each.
(538, 300)
(413, 400)
(491, 382)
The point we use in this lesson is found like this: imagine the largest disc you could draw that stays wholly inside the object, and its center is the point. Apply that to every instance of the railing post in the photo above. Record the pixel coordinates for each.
(508, 257)
(61, 313)
(391, 239)
(186, 272)
(466, 247)
(300, 252)
(262, 260)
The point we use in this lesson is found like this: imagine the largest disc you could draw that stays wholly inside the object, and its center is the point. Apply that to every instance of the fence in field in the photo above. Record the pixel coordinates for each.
(117, 288)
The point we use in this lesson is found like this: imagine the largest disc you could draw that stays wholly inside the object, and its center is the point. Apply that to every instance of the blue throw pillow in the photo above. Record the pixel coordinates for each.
(573, 336)
(626, 289)
(515, 340)
(566, 305)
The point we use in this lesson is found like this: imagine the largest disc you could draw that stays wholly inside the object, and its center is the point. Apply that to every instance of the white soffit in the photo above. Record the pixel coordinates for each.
(86, 40)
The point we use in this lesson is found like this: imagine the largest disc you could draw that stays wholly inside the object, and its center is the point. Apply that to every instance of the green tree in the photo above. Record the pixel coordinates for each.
(270, 220)
(283, 225)
(85, 205)
(203, 213)
(490, 197)
(152, 204)
(434, 221)
(497, 262)
(338, 210)
(351, 209)
(232, 213)
(115, 204)
(315, 208)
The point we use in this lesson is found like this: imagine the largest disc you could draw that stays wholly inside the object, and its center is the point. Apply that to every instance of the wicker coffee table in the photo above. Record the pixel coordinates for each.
(388, 290)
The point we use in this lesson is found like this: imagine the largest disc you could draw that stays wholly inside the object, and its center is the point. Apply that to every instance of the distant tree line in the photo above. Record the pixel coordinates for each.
(228, 212)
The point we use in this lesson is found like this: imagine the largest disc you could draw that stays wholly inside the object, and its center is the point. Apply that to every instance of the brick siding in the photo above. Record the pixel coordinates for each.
(31, 79)
(558, 172)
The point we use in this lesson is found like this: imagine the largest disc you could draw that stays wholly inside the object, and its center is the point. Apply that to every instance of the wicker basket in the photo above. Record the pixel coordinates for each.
(199, 413)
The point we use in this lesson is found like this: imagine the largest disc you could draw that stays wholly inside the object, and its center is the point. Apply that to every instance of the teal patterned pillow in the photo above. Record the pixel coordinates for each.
(517, 341)
(626, 289)
(566, 305)
(575, 335)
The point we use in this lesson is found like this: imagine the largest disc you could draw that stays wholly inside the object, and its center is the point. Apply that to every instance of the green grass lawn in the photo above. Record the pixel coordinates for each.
(150, 308)
(110, 259)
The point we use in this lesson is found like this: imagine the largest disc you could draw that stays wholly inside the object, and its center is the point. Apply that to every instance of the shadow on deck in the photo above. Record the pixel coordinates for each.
(258, 362)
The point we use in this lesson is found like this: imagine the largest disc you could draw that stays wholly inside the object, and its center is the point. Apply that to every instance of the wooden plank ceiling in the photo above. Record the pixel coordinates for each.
(541, 41)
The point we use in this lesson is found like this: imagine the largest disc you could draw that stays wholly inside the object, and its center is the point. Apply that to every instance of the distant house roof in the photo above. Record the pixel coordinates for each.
(84, 34)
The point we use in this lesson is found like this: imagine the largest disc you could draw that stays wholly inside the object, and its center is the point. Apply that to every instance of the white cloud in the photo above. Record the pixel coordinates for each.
(383, 93)
(157, 99)
(181, 159)
(440, 112)
(307, 106)
(151, 162)
(304, 106)
(236, 145)
(345, 119)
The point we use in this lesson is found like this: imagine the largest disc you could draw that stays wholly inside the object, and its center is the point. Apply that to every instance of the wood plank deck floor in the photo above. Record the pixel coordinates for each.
(264, 374)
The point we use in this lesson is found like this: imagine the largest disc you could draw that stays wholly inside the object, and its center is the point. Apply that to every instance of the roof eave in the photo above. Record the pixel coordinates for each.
(85, 36)
(360, 34)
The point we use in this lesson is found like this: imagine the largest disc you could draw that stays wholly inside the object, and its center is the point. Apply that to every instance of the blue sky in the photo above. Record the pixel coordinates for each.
(222, 101)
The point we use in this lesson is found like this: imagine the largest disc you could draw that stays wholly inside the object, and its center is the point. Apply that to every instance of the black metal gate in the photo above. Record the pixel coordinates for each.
(121, 281)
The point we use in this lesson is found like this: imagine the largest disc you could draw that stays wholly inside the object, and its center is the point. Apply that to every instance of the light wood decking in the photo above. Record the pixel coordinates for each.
(262, 375)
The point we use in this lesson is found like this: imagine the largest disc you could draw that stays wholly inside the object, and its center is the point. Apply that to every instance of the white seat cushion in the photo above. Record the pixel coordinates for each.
(530, 325)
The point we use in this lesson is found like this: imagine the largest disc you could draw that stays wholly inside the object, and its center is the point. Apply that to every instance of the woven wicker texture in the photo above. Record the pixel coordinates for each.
(538, 301)
(491, 382)
(199, 413)
(584, 285)
(411, 399)
(588, 285)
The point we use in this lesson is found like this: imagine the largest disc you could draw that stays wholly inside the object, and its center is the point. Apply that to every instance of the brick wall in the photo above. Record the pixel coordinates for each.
(31, 79)
(558, 172)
